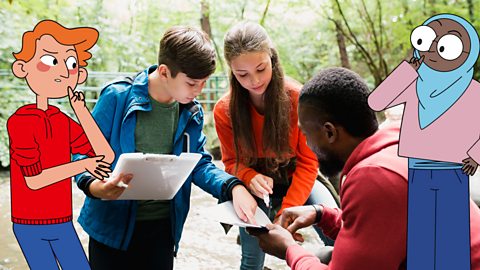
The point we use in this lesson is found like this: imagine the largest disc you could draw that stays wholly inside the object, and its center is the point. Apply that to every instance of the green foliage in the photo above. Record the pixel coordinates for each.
(302, 30)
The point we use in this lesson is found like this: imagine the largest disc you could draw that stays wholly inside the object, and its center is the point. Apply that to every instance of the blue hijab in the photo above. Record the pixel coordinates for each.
(437, 91)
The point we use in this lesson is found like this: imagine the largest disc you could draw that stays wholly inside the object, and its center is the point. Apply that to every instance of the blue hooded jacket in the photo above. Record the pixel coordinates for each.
(112, 222)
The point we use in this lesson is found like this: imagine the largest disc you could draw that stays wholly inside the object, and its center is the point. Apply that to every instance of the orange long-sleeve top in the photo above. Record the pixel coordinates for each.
(306, 170)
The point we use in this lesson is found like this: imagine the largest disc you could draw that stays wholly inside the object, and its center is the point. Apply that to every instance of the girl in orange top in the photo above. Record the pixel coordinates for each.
(257, 126)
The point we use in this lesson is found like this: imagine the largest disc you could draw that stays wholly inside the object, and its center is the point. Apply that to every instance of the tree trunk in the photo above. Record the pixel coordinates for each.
(342, 49)
(207, 28)
(205, 19)
(433, 9)
(367, 56)
(242, 10)
(470, 11)
(265, 11)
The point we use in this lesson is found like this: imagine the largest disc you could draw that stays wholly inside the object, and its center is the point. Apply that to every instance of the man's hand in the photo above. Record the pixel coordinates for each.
(415, 62)
(298, 217)
(77, 99)
(97, 167)
(275, 242)
(244, 204)
(261, 185)
(109, 189)
(469, 166)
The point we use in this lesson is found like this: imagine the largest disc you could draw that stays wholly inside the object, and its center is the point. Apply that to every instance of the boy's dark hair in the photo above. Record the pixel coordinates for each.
(340, 96)
(188, 50)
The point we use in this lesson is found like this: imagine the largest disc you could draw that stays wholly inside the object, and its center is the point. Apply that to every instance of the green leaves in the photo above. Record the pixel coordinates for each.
(302, 30)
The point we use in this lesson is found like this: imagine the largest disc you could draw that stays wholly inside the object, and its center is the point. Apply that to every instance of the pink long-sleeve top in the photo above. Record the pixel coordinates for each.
(453, 137)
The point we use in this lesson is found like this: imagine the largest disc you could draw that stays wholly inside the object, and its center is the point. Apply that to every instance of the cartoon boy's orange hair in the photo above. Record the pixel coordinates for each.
(82, 38)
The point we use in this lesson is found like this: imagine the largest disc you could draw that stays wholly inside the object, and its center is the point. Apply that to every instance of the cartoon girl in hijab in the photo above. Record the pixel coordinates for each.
(439, 135)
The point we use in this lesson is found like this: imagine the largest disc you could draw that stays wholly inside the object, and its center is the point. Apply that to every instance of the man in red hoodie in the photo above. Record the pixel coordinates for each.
(371, 228)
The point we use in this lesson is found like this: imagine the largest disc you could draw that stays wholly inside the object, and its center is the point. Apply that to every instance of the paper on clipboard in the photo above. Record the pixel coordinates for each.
(225, 213)
(155, 177)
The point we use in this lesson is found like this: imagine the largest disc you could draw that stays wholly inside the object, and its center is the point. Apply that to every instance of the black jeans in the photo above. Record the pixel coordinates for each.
(151, 247)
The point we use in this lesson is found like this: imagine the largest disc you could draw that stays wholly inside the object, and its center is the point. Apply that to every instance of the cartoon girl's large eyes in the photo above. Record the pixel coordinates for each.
(71, 62)
(49, 60)
(450, 47)
(422, 38)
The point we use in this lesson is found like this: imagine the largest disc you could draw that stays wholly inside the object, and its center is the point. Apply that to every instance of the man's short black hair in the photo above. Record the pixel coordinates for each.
(340, 95)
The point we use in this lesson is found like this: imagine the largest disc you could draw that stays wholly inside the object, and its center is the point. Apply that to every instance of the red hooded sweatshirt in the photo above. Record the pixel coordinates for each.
(371, 228)
(40, 140)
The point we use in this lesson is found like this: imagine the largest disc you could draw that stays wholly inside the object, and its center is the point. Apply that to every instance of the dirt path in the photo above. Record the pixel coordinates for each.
(204, 244)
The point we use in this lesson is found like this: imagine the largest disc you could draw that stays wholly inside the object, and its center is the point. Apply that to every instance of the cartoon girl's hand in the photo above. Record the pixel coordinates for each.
(97, 167)
(77, 99)
(469, 166)
(415, 62)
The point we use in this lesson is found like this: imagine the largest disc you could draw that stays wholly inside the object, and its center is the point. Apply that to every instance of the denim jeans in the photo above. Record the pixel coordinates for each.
(43, 245)
(438, 220)
(252, 255)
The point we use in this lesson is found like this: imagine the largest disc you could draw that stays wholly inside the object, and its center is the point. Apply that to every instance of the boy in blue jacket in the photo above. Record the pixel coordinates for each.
(156, 113)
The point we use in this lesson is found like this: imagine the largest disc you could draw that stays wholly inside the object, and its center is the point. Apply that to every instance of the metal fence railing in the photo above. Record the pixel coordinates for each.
(215, 87)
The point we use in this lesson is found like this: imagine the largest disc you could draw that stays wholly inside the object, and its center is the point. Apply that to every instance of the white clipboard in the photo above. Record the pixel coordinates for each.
(155, 177)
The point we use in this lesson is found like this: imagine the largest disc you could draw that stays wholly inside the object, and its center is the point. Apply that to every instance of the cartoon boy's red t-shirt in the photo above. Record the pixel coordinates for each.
(40, 140)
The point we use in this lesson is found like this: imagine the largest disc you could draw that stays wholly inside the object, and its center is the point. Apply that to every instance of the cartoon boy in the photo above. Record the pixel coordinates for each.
(440, 135)
(42, 139)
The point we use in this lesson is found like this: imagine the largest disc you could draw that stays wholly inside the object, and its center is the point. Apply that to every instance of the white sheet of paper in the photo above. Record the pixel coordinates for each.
(225, 213)
(155, 177)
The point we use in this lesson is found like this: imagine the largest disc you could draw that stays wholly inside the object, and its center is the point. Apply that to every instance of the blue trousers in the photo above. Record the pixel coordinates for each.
(252, 255)
(438, 220)
(44, 245)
